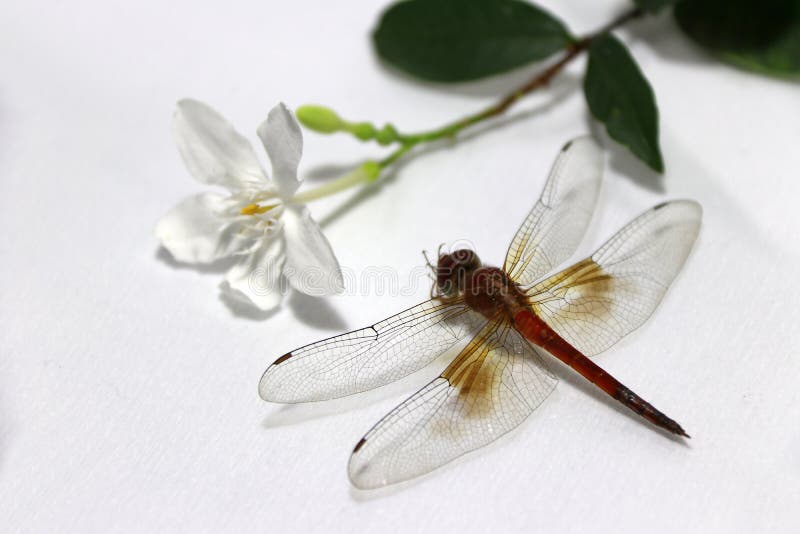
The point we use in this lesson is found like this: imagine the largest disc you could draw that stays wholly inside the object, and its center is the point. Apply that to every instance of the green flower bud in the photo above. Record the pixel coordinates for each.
(319, 118)
(387, 135)
(363, 130)
(371, 170)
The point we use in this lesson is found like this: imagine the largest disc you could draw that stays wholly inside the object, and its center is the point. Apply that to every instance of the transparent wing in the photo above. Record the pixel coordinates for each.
(371, 357)
(556, 224)
(490, 388)
(597, 301)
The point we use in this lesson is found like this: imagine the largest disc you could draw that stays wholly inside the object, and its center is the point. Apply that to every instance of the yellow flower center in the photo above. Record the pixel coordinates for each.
(252, 209)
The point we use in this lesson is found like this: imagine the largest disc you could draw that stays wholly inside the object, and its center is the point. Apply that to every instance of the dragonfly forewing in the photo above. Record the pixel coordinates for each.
(370, 357)
(555, 226)
(597, 301)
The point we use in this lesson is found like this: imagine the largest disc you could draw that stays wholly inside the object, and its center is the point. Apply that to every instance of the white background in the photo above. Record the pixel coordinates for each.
(128, 388)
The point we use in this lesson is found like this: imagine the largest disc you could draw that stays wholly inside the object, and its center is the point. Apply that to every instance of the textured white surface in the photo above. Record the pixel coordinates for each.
(128, 389)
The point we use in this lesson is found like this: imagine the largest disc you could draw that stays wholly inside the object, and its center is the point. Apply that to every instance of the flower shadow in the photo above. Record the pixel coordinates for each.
(329, 171)
(315, 312)
(312, 311)
(217, 267)
(244, 310)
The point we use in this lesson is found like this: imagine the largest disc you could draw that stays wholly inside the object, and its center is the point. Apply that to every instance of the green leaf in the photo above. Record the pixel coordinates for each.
(759, 36)
(620, 96)
(653, 6)
(459, 40)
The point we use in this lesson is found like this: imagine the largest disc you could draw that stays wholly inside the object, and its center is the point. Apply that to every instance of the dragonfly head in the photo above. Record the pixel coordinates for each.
(452, 271)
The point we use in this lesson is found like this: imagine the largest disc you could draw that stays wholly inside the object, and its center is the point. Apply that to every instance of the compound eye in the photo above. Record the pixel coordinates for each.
(464, 256)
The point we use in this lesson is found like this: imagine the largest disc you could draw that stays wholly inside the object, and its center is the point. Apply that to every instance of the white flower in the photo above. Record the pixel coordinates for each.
(257, 222)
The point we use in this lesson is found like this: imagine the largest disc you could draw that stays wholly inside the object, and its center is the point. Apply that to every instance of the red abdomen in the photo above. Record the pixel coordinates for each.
(538, 332)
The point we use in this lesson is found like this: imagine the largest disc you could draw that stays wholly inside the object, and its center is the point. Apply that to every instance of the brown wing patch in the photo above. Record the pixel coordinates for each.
(586, 287)
(475, 378)
(489, 389)
(596, 302)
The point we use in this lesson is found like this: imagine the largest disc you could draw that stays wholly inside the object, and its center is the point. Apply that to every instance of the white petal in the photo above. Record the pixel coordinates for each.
(257, 277)
(311, 266)
(197, 230)
(283, 141)
(213, 151)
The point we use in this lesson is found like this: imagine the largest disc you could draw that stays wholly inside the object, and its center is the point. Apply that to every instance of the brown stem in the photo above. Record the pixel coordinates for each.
(541, 79)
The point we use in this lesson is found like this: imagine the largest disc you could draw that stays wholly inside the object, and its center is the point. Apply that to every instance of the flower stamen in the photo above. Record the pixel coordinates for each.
(253, 209)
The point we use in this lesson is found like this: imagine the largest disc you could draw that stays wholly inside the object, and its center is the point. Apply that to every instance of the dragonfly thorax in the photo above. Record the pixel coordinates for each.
(489, 291)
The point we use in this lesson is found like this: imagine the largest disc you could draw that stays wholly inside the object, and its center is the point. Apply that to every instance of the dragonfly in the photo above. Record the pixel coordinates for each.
(501, 326)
